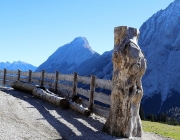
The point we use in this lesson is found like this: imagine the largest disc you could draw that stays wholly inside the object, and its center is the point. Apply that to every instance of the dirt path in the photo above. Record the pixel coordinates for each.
(24, 117)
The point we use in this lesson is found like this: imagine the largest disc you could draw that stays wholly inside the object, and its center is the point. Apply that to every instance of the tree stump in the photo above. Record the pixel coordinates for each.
(129, 65)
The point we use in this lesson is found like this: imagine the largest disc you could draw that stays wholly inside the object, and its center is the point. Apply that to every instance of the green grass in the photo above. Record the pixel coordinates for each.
(166, 130)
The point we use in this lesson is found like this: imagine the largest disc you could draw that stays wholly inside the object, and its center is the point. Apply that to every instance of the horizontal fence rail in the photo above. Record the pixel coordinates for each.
(97, 101)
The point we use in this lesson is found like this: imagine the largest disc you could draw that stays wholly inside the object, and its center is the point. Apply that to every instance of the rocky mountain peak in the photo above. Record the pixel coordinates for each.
(81, 42)
(69, 56)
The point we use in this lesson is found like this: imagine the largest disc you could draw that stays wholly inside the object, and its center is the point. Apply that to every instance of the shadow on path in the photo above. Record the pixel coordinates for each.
(69, 124)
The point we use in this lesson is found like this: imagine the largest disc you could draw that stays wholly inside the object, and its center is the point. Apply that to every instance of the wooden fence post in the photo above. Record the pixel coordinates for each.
(56, 82)
(30, 74)
(42, 77)
(92, 90)
(19, 73)
(4, 78)
(74, 83)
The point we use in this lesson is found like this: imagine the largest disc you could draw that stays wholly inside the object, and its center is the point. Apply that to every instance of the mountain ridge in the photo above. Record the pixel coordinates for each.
(23, 66)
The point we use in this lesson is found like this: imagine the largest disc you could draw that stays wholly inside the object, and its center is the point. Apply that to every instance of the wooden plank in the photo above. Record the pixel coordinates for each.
(36, 81)
(48, 83)
(1, 76)
(66, 77)
(1, 82)
(36, 74)
(24, 79)
(50, 76)
(2, 71)
(101, 111)
(84, 80)
(61, 92)
(61, 86)
(8, 83)
(102, 83)
(24, 73)
(84, 102)
(103, 98)
(92, 90)
(83, 92)
(11, 78)
(12, 72)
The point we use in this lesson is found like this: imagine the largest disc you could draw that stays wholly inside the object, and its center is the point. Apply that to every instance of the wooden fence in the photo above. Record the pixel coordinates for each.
(66, 83)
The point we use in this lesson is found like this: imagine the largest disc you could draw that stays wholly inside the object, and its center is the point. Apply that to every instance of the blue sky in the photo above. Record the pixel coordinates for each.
(31, 30)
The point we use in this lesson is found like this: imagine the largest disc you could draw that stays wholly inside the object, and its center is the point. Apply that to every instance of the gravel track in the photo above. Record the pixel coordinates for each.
(24, 117)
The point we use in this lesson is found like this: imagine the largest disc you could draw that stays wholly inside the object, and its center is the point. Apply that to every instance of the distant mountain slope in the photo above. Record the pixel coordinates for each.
(17, 65)
(100, 66)
(66, 58)
(160, 41)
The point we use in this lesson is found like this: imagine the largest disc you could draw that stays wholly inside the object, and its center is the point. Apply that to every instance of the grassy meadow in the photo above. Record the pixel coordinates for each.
(166, 130)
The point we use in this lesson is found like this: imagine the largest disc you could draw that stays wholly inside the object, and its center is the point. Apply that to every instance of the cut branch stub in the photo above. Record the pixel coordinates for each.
(129, 65)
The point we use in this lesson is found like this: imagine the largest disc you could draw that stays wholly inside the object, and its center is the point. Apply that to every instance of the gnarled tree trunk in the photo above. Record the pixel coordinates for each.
(129, 65)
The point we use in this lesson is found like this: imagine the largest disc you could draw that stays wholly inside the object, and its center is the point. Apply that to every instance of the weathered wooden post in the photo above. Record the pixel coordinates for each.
(129, 65)
(19, 73)
(56, 82)
(74, 84)
(29, 77)
(4, 78)
(42, 78)
(92, 90)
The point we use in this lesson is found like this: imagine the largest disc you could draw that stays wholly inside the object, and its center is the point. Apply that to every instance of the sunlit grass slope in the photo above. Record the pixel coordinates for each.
(162, 129)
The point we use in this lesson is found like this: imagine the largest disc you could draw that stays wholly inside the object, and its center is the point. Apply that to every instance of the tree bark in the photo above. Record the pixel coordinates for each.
(84, 111)
(129, 65)
(21, 86)
(50, 97)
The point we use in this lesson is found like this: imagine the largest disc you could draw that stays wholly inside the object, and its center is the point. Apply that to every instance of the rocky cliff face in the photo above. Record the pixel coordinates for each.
(160, 41)
(17, 65)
